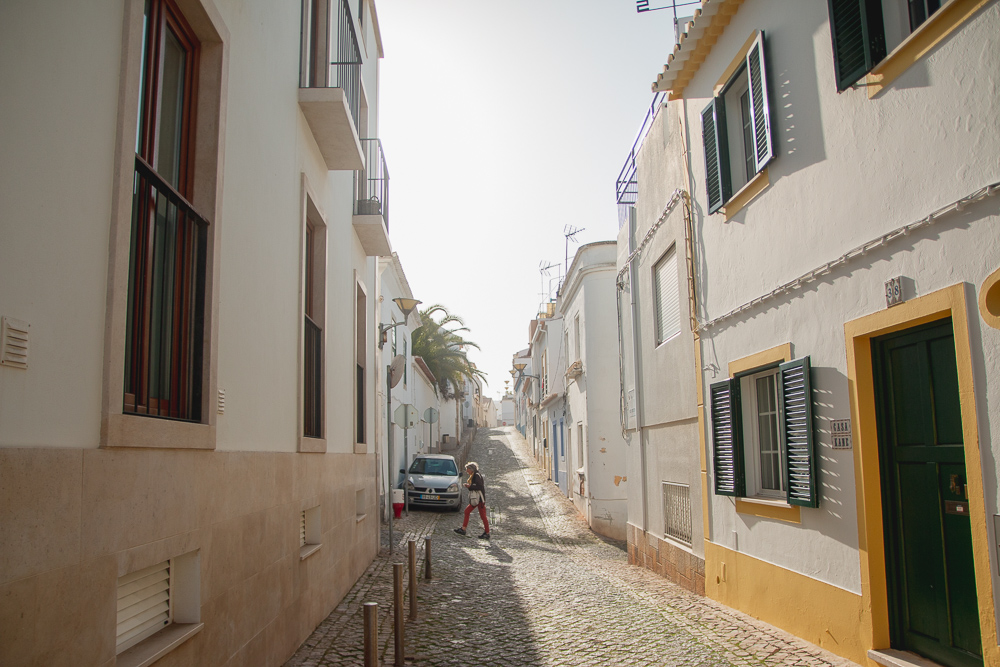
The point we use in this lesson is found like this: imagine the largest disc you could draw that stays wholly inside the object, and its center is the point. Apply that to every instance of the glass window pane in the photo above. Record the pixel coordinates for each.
(171, 112)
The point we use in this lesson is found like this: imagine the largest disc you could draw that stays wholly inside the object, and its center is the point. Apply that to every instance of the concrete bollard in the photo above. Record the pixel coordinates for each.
(427, 558)
(413, 579)
(371, 634)
(397, 613)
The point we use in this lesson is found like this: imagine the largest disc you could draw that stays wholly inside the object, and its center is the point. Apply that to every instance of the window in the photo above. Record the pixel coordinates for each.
(579, 445)
(865, 31)
(310, 532)
(677, 511)
(576, 337)
(361, 356)
(167, 260)
(668, 307)
(762, 434)
(162, 597)
(736, 128)
(313, 321)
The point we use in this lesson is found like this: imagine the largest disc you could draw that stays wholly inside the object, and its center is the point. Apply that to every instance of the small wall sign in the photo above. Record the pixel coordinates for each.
(894, 291)
(841, 431)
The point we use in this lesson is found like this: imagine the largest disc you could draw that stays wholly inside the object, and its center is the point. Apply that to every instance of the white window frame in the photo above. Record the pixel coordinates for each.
(751, 437)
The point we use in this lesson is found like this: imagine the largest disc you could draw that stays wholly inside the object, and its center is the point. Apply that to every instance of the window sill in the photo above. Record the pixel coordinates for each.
(361, 448)
(768, 508)
(127, 430)
(309, 445)
(307, 550)
(166, 640)
(938, 26)
(746, 194)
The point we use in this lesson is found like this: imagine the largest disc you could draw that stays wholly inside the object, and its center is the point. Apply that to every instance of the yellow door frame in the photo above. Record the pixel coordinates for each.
(951, 302)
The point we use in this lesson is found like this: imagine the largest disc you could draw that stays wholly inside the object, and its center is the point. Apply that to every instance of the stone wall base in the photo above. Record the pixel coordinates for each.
(666, 559)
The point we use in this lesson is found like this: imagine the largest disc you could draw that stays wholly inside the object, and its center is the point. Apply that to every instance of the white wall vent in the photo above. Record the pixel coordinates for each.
(222, 401)
(14, 347)
(677, 511)
(143, 604)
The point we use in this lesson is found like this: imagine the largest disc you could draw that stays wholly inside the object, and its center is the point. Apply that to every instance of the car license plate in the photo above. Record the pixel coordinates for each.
(424, 496)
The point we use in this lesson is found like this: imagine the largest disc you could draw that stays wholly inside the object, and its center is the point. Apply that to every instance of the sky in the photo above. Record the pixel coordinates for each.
(503, 122)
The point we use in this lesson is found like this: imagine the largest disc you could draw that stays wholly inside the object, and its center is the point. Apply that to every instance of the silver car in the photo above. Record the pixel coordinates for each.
(434, 481)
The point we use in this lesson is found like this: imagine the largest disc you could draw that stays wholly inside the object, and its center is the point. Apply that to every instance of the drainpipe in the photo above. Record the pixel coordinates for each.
(637, 369)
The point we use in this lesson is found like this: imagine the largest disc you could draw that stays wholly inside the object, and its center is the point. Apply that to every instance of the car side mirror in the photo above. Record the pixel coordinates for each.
(402, 471)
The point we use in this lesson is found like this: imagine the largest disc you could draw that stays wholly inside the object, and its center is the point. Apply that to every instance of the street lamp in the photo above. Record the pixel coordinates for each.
(406, 305)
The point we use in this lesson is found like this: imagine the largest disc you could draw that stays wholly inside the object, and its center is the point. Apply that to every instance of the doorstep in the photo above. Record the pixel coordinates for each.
(892, 658)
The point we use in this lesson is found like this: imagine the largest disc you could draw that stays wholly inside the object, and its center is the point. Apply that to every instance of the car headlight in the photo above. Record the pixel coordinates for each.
(409, 485)
(453, 488)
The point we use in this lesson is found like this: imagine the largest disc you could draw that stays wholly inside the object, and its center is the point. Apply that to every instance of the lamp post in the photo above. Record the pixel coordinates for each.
(406, 305)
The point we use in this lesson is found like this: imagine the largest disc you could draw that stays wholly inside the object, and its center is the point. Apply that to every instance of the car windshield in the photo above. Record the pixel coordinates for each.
(434, 467)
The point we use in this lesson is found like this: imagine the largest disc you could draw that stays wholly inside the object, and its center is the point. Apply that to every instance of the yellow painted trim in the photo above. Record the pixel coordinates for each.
(775, 355)
(989, 299)
(938, 26)
(738, 60)
(783, 512)
(950, 301)
(808, 608)
(746, 194)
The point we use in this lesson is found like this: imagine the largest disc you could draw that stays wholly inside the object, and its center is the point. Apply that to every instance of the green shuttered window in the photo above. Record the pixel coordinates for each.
(733, 158)
(858, 35)
(796, 437)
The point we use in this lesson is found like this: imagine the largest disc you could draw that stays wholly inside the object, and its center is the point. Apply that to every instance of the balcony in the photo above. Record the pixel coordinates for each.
(330, 82)
(627, 184)
(371, 201)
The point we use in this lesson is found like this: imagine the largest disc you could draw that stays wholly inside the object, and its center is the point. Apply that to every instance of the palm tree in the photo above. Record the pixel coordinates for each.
(439, 343)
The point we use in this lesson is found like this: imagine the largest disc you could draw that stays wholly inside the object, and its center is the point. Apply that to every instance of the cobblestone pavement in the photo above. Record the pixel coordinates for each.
(544, 591)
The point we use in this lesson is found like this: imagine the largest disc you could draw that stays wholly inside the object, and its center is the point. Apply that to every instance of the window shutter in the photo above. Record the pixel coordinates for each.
(858, 35)
(718, 183)
(796, 414)
(727, 441)
(143, 605)
(760, 107)
(668, 307)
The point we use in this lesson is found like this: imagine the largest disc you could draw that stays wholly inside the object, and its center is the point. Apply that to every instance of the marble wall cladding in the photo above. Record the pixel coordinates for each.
(74, 521)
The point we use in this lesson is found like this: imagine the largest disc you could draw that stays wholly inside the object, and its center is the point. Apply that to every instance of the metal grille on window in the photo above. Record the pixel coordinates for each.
(143, 605)
(677, 511)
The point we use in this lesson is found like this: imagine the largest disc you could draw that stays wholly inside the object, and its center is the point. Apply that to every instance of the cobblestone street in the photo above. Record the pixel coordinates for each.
(544, 591)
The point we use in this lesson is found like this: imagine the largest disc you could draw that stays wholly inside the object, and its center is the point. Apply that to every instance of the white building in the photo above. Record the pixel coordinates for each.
(191, 204)
(842, 171)
(595, 460)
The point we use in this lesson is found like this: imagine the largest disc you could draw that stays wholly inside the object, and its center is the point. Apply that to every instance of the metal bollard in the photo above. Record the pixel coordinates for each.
(427, 558)
(397, 612)
(413, 580)
(371, 634)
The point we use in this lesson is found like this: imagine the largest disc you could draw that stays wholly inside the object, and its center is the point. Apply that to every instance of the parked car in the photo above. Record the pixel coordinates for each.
(434, 481)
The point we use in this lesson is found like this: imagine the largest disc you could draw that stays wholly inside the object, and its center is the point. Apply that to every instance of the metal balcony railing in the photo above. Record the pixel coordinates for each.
(331, 57)
(627, 186)
(371, 184)
(165, 318)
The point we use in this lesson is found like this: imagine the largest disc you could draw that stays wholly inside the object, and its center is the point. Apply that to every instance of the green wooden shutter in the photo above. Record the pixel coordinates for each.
(727, 440)
(796, 415)
(858, 34)
(718, 184)
(760, 107)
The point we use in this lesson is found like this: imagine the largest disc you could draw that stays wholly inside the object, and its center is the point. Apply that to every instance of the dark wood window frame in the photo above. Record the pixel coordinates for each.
(167, 267)
(312, 404)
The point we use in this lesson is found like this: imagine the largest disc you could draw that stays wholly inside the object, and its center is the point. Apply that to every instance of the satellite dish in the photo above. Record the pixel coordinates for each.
(396, 369)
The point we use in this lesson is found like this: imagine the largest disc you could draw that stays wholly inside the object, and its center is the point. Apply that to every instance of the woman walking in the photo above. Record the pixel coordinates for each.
(477, 498)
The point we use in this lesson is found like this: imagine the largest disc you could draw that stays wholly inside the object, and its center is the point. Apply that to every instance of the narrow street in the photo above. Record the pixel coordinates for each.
(544, 591)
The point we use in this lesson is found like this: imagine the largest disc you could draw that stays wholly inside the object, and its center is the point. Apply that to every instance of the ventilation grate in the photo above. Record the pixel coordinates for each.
(677, 511)
(222, 401)
(14, 348)
(143, 604)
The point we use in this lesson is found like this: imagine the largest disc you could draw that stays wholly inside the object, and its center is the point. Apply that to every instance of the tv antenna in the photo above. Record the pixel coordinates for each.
(543, 270)
(570, 232)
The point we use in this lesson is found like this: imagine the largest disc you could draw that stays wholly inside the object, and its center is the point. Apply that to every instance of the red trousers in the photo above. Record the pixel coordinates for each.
(482, 515)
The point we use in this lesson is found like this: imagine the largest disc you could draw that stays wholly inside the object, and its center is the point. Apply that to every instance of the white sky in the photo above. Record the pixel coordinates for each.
(503, 121)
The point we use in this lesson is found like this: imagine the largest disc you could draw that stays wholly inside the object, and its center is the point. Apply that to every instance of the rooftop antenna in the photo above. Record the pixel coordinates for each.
(543, 270)
(679, 21)
(570, 232)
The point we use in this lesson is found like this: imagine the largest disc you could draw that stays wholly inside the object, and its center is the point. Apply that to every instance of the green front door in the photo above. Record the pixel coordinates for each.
(933, 609)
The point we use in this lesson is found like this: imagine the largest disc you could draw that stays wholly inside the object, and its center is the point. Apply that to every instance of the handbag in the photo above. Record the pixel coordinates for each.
(475, 497)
